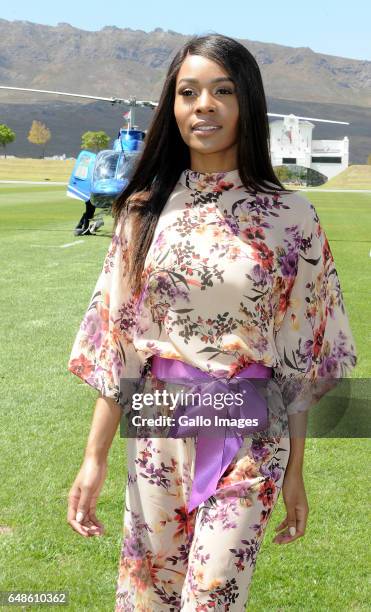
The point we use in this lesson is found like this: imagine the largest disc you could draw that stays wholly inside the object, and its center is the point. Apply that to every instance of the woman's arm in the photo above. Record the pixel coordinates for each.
(84, 493)
(106, 418)
(297, 429)
(294, 524)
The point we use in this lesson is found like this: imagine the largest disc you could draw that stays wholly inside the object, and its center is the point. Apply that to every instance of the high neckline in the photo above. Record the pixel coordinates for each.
(211, 181)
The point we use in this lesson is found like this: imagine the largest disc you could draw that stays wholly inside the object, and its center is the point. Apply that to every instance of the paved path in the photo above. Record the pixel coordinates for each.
(35, 183)
(314, 190)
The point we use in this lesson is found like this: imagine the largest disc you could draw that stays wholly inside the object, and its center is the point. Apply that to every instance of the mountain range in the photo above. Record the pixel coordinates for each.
(126, 62)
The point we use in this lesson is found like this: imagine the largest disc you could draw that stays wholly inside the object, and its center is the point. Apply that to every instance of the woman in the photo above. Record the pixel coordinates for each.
(213, 270)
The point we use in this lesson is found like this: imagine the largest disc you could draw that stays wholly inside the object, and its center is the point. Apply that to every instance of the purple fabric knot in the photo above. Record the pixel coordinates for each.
(219, 430)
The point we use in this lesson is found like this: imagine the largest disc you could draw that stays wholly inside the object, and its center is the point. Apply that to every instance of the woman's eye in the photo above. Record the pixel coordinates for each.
(190, 92)
(186, 92)
(225, 90)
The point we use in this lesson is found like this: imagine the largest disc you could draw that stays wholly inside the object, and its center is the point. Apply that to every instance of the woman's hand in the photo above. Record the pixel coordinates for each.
(297, 509)
(83, 496)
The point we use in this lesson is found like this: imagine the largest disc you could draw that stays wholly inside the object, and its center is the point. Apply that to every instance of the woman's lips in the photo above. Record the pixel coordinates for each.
(206, 130)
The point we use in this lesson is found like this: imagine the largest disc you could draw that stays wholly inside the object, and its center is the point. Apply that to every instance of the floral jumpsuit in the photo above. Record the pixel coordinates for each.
(231, 278)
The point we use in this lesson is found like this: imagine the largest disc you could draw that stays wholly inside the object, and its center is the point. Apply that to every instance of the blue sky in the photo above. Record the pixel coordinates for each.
(326, 26)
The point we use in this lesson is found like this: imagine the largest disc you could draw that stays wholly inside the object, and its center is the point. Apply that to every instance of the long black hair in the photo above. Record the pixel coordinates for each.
(166, 155)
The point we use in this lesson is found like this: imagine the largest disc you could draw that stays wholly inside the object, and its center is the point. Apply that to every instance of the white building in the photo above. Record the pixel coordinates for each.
(291, 143)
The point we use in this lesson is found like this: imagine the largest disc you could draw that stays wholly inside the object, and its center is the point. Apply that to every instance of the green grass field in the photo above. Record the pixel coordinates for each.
(18, 169)
(353, 177)
(29, 169)
(46, 413)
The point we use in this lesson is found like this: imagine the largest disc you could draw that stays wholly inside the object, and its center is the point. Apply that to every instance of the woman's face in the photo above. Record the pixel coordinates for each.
(206, 111)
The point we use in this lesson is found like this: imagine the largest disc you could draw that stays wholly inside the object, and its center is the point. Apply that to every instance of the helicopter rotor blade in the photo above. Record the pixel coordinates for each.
(309, 118)
(147, 103)
(63, 93)
(128, 102)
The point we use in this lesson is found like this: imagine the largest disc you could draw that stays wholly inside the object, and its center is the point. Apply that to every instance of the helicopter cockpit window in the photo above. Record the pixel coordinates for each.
(126, 166)
(105, 166)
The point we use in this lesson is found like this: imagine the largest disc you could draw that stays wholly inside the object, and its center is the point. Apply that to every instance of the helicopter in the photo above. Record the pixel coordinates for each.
(98, 178)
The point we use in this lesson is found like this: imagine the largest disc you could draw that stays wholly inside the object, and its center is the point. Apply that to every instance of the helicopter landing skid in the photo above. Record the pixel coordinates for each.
(96, 223)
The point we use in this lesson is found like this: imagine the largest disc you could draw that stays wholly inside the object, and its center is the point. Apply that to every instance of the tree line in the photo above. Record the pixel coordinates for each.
(40, 134)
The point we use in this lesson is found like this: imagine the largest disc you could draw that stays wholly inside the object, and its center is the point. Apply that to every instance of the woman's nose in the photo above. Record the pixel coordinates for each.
(205, 102)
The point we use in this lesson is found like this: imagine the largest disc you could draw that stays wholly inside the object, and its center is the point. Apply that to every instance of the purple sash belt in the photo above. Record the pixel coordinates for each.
(214, 451)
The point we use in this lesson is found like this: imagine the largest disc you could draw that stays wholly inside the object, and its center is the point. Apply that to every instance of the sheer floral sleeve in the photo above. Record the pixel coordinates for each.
(314, 340)
(103, 350)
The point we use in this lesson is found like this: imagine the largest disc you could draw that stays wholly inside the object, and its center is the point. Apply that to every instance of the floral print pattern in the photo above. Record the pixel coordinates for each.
(169, 561)
(231, 278)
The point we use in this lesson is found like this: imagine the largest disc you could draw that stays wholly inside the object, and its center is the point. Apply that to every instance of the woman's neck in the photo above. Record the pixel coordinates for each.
(222, 161)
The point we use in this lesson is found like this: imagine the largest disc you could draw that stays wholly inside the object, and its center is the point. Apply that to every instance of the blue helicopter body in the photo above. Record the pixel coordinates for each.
(100, 177)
